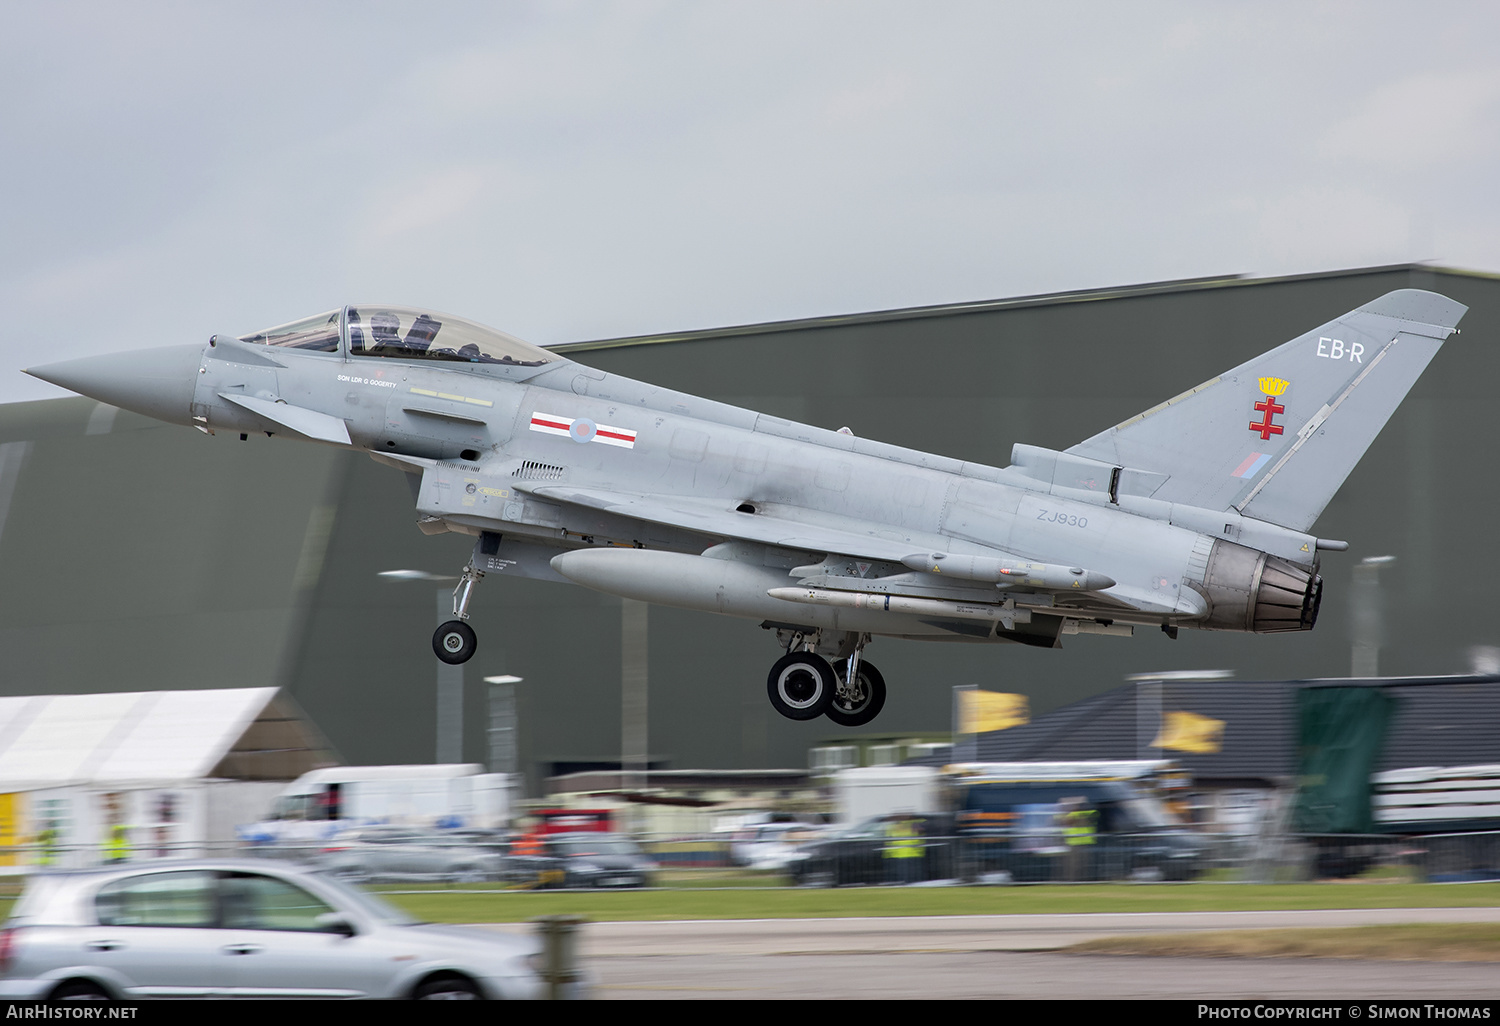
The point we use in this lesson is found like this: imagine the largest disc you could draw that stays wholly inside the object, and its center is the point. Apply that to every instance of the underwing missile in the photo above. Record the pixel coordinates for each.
(1006, 573)
(899, 604)
(727, 586)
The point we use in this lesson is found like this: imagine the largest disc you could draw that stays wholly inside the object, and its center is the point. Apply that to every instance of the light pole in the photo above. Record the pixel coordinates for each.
(504, 752)
(450, 678)
(635, 762)
(504, 746)
(1364, 660)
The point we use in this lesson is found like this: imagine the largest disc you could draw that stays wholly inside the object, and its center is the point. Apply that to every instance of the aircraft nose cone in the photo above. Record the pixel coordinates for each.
(155, 382)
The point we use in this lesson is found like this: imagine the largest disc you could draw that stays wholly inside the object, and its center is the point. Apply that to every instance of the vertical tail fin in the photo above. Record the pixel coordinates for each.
(1274, 438)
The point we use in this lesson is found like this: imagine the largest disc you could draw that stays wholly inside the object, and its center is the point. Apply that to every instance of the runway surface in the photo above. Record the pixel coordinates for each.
(1005, 957)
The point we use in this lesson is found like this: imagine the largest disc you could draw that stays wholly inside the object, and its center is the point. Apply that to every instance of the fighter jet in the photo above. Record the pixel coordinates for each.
(1196, 513)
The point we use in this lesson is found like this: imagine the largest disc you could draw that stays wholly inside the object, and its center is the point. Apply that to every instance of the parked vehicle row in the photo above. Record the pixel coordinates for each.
(1022, 831)
(868, 853)
(1017, 836)
(391, 854)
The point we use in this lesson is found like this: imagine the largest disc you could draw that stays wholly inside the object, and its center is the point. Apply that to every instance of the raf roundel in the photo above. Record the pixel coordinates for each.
(582, 430)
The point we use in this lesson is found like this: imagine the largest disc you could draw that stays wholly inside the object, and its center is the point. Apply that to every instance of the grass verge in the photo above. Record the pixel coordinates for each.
(1412, 942)
(480, 905)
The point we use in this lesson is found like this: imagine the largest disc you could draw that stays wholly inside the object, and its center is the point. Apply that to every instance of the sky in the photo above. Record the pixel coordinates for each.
(569, 171)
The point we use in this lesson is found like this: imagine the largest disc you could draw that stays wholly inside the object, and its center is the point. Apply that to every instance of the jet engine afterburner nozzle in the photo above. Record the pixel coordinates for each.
(1250, 590)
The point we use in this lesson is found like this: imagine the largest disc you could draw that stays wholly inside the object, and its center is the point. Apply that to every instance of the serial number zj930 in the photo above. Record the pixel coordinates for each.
(1066, 519)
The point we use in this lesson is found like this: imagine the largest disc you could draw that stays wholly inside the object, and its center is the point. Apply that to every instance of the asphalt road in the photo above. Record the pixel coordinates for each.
(1004, 957)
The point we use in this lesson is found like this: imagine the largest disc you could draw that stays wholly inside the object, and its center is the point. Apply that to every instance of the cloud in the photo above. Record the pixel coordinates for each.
(574, 170)
(1327, 225)
(426, 204)
(1420, 121)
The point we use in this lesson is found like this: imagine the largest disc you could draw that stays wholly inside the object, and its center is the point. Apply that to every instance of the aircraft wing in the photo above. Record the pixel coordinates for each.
(768, 526)
(778, 526)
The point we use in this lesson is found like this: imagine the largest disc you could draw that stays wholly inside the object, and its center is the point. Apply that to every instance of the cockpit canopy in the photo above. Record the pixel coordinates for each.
(405, 333)
(320, 333)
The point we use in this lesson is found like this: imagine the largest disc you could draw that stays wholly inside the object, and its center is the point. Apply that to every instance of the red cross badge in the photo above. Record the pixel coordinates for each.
(1266, 426)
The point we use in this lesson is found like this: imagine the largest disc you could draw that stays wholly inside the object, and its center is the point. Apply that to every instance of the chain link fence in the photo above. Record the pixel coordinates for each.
(1455, 858)
(834, 859)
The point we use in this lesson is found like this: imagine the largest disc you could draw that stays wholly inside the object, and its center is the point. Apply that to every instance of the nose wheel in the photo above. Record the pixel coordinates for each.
(455, 642)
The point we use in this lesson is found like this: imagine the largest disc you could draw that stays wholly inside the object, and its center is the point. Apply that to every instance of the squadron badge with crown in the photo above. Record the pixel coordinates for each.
(1272, 387)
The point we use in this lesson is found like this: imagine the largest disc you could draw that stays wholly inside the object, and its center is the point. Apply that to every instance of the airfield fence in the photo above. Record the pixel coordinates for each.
(1455, 858)
(717, 860)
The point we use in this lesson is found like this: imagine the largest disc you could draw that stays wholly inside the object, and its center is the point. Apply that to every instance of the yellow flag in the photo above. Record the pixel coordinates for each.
(982, 711)
(10, 832)
(1189, 732)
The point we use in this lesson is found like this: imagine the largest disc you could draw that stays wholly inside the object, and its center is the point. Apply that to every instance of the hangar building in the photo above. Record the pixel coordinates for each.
(139, 556)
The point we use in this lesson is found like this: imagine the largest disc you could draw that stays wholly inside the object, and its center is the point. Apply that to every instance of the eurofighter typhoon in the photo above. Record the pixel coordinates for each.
(1196, 513)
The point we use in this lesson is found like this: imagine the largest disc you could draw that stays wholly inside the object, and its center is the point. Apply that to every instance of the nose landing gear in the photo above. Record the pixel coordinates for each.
(804, 684)
(455, 642)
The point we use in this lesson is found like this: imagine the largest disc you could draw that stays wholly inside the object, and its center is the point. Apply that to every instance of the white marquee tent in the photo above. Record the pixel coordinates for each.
(176, 769)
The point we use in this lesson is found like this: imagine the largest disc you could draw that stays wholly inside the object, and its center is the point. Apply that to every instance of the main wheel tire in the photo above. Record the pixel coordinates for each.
(801, 685)
(80, 990)
(448, 988)
(454, 642)
(862, 707)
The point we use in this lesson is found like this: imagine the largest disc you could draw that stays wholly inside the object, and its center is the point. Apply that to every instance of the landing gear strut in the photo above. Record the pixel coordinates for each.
(804, 684)
(857, 703)
(454, 642)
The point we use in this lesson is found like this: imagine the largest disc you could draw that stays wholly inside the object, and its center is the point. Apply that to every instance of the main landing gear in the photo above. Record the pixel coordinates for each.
(455, 642)
(804, 684)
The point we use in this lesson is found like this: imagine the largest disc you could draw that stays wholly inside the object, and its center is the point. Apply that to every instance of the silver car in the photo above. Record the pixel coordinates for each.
(771, 846)
(386, 853)
(242, 928)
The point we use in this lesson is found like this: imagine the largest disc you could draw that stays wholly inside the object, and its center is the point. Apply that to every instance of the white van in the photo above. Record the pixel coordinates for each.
(445, 795)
